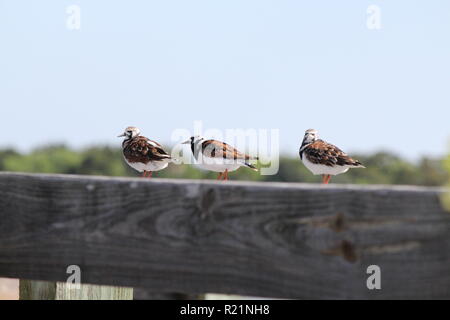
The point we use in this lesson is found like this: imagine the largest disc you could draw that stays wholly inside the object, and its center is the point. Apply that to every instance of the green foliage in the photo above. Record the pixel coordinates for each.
(386, 168)
(103, 161)
(446, 196)
(46, 160)
(446, 163)
(381, 167)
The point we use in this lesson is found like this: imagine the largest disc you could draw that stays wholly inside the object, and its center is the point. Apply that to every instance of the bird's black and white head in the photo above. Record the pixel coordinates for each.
(130, 133)
(196, 143)
(311, 135)
(194, 140)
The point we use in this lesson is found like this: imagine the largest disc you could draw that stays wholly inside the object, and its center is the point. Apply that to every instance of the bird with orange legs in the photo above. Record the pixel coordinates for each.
(142, 154)
(323, 158)
(217, 156)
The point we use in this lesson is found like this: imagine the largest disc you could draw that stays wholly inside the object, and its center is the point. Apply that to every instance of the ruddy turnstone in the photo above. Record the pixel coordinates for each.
(321, 157)
(143, 154)
(218, 156)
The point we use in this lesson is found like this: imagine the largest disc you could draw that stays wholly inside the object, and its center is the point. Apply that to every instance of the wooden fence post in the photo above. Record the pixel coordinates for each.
(44, 290)
(36, 290)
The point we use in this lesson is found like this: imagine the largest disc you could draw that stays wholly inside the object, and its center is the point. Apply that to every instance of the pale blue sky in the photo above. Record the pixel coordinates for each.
(282, 64)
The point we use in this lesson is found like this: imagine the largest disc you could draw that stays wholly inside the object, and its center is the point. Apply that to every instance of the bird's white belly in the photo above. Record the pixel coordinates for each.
(150, 166)
(323, 169)
(218, 164)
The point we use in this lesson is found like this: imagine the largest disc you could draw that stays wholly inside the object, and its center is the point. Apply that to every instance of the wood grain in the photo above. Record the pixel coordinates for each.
(66, 291)
(45, 290)
(262, 239)
(37, 290)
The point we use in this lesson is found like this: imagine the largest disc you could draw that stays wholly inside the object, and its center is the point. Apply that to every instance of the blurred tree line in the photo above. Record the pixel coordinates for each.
(446, 196)
(382, 167)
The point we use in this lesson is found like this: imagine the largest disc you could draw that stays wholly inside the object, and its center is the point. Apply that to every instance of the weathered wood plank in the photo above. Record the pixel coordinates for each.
(45, 290)
(66, 291)
(260, 239)
(37, 290)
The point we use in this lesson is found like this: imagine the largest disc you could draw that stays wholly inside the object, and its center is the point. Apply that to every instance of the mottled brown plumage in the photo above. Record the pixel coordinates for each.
(321, 152)
(323, 158)
(144, 150)
(218, 156)
(218, 149)
(142, 154)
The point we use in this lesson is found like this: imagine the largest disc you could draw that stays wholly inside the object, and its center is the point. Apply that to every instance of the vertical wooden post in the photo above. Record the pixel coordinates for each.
(43, 290)
(36, 290)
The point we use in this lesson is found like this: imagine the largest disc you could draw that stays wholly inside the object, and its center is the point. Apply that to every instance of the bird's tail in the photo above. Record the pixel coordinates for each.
(251, 166)
(357, 164)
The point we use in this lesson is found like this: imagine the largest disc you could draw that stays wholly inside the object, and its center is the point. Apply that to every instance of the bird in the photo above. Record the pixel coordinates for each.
(321, 157)
(142, 154)
(218, 156)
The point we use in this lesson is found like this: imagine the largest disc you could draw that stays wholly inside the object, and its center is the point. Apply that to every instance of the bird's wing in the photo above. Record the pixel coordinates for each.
(142, 149)
(218, 149)
(321, 152)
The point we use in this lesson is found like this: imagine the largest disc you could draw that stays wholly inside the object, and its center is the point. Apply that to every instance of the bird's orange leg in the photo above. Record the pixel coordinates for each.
(150, 174)
(226, 175)
(144, 174)
(326, 178)
(220, 176)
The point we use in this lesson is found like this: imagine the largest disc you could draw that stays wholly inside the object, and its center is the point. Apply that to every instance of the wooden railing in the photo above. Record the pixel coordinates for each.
(282, 240)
